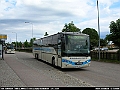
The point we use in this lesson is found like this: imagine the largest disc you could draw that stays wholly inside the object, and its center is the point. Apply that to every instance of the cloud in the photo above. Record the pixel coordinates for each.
(51, 15)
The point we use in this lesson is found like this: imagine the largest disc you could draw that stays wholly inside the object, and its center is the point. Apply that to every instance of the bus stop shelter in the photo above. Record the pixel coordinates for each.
(3, 37)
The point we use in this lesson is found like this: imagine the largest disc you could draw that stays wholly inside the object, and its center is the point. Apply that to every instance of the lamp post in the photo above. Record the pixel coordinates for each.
(98, 28)
(16, 39)
(32, 28)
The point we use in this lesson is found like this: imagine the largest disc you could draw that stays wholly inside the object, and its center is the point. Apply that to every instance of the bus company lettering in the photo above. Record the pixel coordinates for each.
(78, 58)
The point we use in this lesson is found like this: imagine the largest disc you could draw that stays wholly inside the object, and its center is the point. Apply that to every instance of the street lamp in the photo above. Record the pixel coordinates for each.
(98, 28)
(16, 39)
(32, 28)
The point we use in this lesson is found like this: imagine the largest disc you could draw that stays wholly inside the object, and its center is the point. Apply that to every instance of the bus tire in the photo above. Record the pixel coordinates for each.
(53, 61)
(36, 56)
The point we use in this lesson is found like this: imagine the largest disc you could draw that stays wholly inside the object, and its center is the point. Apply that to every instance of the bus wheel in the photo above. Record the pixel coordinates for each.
(36, 56)
(53, 61)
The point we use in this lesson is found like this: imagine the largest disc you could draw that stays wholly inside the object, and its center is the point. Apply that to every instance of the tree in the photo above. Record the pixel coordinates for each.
(31, 41)
(93, 36)
(108, 37)
(103, 42)
(26, 44)
(70, 28)
(19, 44)
(115, 32)
(46, 34)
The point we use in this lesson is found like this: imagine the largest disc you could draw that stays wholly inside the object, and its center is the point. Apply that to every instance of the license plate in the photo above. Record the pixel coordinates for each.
(79, 63)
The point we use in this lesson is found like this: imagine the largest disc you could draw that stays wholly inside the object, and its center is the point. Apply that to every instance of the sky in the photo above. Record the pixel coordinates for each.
(51, 15)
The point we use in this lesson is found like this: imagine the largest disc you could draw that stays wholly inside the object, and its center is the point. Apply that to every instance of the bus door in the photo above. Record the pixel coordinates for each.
(59, 52)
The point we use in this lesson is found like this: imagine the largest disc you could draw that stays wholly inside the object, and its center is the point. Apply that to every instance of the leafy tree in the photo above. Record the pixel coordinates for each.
(70, 28)
(26, 44)
(115, 32)
(103, 42)
(108, 37)
(93, 36)
(19, 44)
(31, 42)
(46, 34)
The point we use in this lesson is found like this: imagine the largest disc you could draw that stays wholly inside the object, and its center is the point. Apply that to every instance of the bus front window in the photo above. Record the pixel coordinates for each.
(76, 45)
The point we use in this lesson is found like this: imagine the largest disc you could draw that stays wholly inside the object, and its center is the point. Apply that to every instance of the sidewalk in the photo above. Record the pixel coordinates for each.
(8, 77)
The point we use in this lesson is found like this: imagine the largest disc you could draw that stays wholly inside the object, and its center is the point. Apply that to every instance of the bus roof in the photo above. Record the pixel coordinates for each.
(74, 33)
(69, 33)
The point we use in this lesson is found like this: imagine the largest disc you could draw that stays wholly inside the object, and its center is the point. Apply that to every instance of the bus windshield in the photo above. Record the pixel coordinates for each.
(76, 45)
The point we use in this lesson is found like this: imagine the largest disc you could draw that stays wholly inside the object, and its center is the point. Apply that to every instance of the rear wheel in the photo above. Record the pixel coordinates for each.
(53, 61)
(36, 56)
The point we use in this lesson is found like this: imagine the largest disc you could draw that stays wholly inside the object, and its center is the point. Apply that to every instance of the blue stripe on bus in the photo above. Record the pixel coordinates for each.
(73, 63)
(37, 48)
(44, 49)
(68, 61)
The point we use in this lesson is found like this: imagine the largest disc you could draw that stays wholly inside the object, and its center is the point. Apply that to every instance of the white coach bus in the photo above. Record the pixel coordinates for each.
(64, 49)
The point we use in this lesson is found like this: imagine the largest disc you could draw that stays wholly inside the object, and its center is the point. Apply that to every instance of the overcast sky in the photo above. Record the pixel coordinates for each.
(51, 15)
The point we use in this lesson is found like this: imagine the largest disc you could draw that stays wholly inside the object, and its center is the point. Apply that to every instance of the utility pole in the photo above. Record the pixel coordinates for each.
(32, 28)
(98, 28)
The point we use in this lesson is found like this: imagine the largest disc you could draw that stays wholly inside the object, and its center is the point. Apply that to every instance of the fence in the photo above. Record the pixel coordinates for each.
(105, 55)
(25, 50)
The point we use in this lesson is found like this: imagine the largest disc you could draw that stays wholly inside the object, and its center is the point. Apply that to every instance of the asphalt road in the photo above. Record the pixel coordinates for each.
(98, 74)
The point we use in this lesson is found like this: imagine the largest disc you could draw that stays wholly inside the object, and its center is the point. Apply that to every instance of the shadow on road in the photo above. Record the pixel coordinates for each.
(72, 69)
(65, 69)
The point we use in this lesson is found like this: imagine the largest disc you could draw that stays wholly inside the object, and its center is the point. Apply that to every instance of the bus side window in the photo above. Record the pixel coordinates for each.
(59, 44)
(59, 41)
(86, 42)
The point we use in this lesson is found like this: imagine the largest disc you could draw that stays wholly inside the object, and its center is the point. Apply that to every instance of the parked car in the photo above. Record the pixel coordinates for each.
(101, 49)
(104, 49)
(96, 49)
